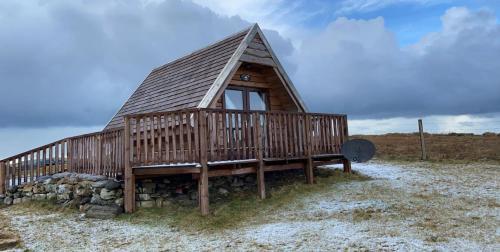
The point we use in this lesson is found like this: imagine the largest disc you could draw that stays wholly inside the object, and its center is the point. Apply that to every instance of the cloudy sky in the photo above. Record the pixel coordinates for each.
(67, 66)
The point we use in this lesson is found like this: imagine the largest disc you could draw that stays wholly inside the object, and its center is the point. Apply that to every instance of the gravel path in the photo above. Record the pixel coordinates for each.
(416, 207)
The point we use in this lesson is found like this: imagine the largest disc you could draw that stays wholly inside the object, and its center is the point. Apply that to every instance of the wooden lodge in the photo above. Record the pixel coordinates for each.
(226, 109)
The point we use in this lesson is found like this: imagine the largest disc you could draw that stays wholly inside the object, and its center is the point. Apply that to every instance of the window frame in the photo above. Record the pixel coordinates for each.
(246, 97)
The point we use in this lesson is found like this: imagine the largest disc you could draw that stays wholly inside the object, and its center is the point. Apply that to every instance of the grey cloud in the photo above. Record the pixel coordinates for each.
(357, 67)
(76, 62)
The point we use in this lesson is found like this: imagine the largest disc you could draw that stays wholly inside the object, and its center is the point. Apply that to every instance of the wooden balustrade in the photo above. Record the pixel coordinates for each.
(100, 153)
(174, 138)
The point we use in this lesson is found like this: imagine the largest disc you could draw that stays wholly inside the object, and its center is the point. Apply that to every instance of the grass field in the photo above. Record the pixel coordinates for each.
(440, 147)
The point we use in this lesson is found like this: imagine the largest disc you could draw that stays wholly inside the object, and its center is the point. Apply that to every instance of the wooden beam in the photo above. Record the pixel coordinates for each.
(257, 60)
(282, 167)
(309, 162)
(165, 170)
(203, 180)
(2, 178)
(261, 184)
(129, 194)
(227, 172)
(347, 165)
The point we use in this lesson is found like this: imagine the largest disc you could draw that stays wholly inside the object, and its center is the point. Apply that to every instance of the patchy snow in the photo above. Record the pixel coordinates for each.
(404, 207)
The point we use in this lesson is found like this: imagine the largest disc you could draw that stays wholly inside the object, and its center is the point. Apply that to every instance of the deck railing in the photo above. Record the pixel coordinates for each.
(99, 153)
(174, 137)
(181, 138)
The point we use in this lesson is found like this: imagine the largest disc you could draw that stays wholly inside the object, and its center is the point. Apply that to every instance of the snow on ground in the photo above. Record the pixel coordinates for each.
(405, 207)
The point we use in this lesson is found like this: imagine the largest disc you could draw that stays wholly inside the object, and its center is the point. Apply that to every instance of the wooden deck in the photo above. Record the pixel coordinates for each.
(201, 142)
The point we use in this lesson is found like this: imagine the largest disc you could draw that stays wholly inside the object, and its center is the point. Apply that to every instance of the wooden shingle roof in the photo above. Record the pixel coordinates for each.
(194, 80)
(181, 83)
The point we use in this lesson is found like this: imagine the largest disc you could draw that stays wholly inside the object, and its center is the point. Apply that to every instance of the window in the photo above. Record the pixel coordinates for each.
(233, 99)
(257, 100)
(245, 99)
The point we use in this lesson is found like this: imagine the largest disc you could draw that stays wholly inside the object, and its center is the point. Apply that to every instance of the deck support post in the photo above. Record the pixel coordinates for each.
(347, 165)
(2, 178)
(345, 138)
(309, 163)
(203, 180)
(129, 194)
(261, 183)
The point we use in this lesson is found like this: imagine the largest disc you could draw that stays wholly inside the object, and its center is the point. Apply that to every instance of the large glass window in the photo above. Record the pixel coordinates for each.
(257, 100)
(233, 99)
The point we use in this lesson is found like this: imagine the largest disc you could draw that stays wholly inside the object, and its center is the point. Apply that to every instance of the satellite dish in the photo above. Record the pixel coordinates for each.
(358, 150)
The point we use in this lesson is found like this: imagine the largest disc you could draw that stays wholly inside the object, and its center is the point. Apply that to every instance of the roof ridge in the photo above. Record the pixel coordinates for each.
(243, 31)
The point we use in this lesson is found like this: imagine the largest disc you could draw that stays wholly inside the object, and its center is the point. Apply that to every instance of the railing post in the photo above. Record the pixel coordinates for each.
(346, 163)
(309, 162)
(129, 194)
(261, 186)
(2, 178)
(203, 179)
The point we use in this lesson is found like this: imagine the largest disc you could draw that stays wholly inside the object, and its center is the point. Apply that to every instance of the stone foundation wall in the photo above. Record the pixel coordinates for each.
(95, 196)
(100, 197)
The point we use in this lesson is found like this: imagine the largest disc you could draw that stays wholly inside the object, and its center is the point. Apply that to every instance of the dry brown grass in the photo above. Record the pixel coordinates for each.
(439, 147)
(8, 237)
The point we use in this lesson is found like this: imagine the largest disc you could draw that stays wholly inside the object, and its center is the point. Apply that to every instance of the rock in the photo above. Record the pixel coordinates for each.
(49, 181)
(144, 196)
(96, 199)
(40, 196)
(159, 202)
(17, 201)
(7, 201)
(17, 195)
(63, 197)
(237, 182)
(222, 191)
(107, 194)
(103, 212)
(83, 191)
(64, 189)
(42, 179)
(51, 196)
(148, 187)
(99, 184)
(148, 204)
(112, 185)
(50, 188)
(119, 202)
(61, 175)
(193, 195)
(85, 200)
(12, 189)
(27, 188)
(89, 177)
(27, 194)
(249, 179)
(38, 189)
(84, 208)
(25, 199)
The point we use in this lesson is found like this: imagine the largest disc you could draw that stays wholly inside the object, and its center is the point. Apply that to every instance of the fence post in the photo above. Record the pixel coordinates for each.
(129, 196)
(422, 143)
(203, 179)
(2, 177)
(261, 186)
(309, 163)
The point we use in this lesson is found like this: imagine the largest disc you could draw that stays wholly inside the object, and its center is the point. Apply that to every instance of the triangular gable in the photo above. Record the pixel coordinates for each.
(254, 48)
(197, 79)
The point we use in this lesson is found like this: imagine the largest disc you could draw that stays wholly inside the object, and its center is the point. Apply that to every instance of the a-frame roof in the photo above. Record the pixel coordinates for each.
(196, 79)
